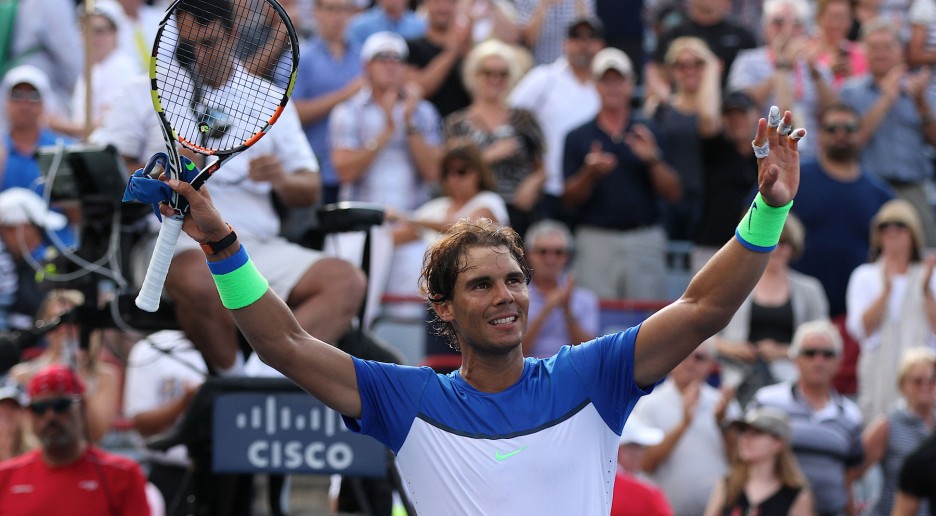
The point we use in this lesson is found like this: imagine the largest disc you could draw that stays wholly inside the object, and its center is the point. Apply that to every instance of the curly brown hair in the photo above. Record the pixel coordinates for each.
(445, 260)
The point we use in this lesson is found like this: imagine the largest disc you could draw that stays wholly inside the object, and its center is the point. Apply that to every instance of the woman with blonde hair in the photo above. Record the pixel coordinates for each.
(510, 139)
(764, 478)
(890, 304)
(889, 439)
(692, 113)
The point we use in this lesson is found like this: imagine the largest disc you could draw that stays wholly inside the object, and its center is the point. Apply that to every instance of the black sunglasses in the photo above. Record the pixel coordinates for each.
(834, 128)
(555, 252)
(825, 353)
(457, 171)
(891, 224)
(58, 405)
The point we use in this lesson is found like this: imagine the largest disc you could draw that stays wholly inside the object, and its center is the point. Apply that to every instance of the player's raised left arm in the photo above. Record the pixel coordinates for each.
(716, 292)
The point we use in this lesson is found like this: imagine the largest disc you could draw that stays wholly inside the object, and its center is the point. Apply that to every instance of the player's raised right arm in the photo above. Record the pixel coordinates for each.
(270, 327)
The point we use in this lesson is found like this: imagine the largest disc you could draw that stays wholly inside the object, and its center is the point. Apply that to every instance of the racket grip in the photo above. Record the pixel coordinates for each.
(151, 291)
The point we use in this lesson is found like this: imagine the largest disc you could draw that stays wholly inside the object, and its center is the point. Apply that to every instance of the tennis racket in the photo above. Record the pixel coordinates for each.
(221, 73)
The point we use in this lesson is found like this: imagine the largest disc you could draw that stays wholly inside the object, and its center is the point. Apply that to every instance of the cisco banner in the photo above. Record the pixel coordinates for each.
(289, 433)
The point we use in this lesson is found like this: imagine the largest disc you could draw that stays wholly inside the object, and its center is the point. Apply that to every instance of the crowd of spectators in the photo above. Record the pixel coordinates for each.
(606, 132)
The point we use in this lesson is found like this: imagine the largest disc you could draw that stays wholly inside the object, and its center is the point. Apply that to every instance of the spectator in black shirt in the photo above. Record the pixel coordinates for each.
(727, 177)
(435, 59)
(917, 480)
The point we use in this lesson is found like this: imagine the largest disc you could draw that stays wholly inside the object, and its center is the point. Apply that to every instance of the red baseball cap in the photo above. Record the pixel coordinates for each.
(57, 379)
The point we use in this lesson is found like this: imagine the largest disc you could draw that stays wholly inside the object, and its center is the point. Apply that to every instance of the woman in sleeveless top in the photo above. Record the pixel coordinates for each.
(753, 349)
(764, 479)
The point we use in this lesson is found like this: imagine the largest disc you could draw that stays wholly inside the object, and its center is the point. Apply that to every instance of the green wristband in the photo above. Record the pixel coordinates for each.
(241, 287)
(761, 226)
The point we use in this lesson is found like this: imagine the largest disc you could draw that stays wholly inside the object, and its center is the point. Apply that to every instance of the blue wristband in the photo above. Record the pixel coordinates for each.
(231, 263)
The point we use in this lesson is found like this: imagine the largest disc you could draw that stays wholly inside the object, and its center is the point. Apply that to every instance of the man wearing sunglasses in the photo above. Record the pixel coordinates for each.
(67, 474)
(826, 425)
(839, 199)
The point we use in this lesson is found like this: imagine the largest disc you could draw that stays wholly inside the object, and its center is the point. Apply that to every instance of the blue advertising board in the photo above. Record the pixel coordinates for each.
(289, 433)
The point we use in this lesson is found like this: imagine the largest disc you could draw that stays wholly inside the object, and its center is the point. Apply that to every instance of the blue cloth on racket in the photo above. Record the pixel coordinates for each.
(143, 188)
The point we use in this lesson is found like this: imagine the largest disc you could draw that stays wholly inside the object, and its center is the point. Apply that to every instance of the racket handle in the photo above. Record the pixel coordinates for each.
(148, 298)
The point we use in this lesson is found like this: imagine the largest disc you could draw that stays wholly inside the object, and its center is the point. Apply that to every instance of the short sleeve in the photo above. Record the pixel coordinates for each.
(922, 12)
(606, 367)
(429, 123)
(529, 91)
(342, 129)
(390, 396)
(292, 146)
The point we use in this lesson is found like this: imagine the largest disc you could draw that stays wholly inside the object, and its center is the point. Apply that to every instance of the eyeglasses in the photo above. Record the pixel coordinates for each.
(752, 430)
(824, 353)
(331, 8)
(388, 57)
(31, 96)
(58, 405)
(896, 224)
(849, 128)
(101, 29)
(780, 22)
(921, 381)
(556, 251)
(494, 74)
(689, 65)
(585, 36)
(460, 172)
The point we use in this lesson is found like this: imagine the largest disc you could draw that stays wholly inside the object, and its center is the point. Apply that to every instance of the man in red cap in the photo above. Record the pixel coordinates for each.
(67, 472)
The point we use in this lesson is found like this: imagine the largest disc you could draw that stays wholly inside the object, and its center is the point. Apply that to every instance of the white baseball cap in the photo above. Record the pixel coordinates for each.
(611, 59)
(27, 74)
(109, 9)
(20, 205)
(384, 42)
(636, 432)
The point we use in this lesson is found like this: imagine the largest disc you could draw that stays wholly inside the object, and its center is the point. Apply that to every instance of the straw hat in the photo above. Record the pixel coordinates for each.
(897, 210)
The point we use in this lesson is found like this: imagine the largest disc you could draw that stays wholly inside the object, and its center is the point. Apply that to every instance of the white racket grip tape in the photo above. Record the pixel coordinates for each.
(148, 298)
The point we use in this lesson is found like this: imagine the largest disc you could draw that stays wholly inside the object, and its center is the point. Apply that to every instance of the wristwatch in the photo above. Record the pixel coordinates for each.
(216, 247)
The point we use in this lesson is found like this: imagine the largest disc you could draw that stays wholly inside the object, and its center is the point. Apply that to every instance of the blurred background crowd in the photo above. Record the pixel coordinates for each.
(614, 135)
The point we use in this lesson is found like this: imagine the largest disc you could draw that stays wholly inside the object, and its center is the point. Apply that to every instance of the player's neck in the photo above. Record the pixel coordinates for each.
(491, 373)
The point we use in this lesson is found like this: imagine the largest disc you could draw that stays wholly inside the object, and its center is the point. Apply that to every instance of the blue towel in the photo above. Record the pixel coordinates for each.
(144, 189)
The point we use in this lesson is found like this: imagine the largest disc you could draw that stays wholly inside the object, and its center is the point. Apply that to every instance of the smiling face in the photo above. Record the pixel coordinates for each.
(492, 78)
(489, 305)
(687, 70)
(549, 256)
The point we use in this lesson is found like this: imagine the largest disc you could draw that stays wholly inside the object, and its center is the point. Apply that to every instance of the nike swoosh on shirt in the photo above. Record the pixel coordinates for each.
(498, 456)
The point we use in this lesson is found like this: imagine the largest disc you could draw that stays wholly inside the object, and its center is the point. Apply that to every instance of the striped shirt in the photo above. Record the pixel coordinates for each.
(826, 442)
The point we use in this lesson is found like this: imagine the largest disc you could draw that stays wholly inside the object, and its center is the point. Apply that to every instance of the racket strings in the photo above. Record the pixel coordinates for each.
(203, 73)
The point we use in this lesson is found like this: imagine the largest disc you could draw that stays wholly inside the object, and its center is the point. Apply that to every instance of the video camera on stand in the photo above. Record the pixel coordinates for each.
(92, 178)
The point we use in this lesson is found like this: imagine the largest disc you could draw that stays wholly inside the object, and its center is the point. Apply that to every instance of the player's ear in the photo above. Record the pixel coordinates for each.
(444, 310)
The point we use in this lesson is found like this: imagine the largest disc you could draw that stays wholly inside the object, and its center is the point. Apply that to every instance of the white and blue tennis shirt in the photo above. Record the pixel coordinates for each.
(546, 445)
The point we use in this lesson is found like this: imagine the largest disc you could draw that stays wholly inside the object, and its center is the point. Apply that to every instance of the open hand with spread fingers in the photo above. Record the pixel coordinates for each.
(778, 163)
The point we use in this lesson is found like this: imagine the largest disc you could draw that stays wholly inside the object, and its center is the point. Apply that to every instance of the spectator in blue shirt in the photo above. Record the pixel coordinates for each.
(330, 73)
(386, 15)
(25, 89)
